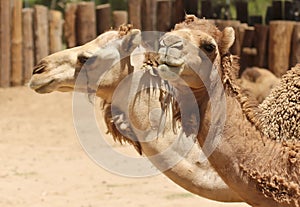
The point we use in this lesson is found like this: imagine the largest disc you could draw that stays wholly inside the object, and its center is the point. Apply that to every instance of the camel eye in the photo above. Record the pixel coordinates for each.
(209, 47)
(82, 59)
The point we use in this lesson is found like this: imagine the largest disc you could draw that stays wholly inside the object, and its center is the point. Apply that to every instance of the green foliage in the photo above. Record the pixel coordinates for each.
(118, 4)
(257, 7)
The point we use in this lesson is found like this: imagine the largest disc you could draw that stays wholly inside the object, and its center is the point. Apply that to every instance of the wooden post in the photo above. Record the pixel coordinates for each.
(255, 19)
(41, 29)
(85, 22)
(134, 9)
(70, 25)
(5, 44)
(241, 32)
(28, 43)
(16, 44)
(55, 31)
(242, 11)
(164, 10)
(248, 37)
(295, 54)
(178, 12)
(206, 9)
(103, 18)
(191, 7)
(261, 45)
(269, 15)
(277, 10)
(280, 46)
(119, 18)
(288, 10)
(149, 15)
(248, 52)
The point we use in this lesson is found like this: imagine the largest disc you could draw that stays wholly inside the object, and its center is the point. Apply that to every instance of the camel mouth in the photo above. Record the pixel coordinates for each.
(171, 61)
(42, 88)
(169, 72)
(65, 89)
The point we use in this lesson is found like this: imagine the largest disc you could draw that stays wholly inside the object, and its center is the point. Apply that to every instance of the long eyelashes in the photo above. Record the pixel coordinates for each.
(209, 47)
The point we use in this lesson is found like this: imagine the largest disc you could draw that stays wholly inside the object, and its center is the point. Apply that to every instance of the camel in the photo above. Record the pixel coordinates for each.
(259, 82)
(58, 72)
(256, 147)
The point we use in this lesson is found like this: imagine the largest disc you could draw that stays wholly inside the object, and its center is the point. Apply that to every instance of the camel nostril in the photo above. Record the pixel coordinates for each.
(172, 41)
(178, 45)
(38, 69)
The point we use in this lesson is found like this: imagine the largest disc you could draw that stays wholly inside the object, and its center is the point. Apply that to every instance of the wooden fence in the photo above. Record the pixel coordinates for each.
(29, 34)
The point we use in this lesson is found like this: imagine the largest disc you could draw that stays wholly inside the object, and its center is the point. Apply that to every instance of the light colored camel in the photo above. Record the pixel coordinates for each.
(58, 72)
(258, 151)
(258, 81)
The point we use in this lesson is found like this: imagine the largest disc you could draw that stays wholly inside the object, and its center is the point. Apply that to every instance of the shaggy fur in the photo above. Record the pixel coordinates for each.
(280, 111)
(118, 132)
(278, 114)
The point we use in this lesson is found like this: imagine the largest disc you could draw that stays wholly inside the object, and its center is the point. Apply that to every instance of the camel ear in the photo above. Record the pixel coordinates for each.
(227, 40)
(132, 40)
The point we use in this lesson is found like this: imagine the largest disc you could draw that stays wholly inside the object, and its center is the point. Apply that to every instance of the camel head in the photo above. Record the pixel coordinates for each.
(258, 82)
(194, 46)
(58, 72)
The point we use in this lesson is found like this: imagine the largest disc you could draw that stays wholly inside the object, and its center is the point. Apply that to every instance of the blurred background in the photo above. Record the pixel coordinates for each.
(33, 29)
(255, 7)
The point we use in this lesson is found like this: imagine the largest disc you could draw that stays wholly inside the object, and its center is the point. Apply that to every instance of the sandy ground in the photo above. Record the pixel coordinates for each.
(43, 163)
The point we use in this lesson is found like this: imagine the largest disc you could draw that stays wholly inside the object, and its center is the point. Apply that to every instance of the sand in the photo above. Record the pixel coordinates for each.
(43, 163)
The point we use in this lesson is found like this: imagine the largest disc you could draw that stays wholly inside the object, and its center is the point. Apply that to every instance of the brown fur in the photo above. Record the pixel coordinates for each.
(280, 124)
(276, 118)
(124, 29)
(115, 132)
(193, 23)
(264, 174)
(280, 117)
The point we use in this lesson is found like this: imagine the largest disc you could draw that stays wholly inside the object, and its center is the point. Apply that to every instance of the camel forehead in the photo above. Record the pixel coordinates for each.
(195, 24)
(197, 37)
(65, 56)
(68, 56)
(106, 37)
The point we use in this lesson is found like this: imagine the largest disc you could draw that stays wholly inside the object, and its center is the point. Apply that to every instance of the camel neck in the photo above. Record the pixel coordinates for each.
(249, 159)
(249, 165)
